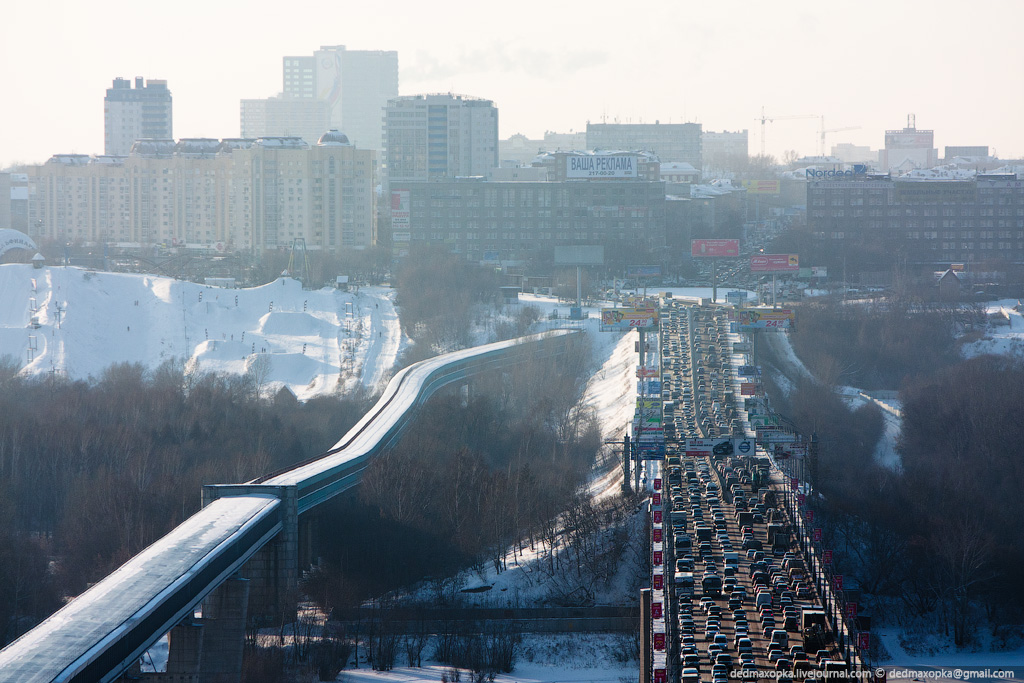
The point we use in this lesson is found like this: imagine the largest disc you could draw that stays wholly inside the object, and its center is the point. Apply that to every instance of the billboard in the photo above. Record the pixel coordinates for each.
(580, 255)
(643, 271)
(736, 297)
(628, 318)
(765, 318)
(650, 386)
(651, 450)
(601, 166)
(774, 263)
(819, 271)
(400, 216)
(722, 447)
(761, 186)
(748, 389)
(714, 248)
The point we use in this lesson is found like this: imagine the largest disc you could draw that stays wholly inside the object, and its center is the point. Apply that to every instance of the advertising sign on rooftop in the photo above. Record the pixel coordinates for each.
(601, 166)
(714, 248)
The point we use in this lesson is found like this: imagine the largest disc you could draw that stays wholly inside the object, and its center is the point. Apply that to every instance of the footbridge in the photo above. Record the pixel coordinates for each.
(244, 540)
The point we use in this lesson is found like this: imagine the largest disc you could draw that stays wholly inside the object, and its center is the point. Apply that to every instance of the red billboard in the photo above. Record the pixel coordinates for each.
(748, 389)
(774, 263)
(714, 248)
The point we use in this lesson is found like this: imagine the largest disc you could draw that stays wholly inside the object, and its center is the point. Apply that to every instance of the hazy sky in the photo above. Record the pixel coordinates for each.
(548, 65)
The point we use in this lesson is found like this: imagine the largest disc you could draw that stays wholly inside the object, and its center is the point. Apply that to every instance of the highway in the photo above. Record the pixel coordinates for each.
(735, 580)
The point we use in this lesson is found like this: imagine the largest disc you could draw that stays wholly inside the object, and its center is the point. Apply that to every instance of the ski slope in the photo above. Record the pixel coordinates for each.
(313, 342)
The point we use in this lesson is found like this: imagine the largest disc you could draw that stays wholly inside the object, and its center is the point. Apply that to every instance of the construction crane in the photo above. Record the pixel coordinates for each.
(767, 119)
(831, 130)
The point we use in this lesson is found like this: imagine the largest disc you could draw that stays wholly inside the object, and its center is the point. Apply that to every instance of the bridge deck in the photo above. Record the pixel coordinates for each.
(128, 601)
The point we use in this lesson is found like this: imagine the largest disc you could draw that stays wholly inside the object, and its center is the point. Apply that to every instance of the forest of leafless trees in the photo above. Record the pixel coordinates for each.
(92, 472)
(935, 537)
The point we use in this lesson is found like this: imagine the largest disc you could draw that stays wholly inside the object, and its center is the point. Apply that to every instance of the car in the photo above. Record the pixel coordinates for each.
(690, 675)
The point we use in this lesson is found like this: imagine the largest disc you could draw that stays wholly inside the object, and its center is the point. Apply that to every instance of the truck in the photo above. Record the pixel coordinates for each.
(684, 584)
(815, 628)
(711, 584)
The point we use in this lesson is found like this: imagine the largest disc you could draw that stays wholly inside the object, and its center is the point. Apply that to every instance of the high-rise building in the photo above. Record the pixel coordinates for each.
(670, 141)
(428, 137)
(285, 116)
(131, 114)
(355, 85)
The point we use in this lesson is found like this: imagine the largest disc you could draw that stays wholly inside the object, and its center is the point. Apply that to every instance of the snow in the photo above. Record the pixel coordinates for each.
(1004, 340)
(589, 657)
(1007, 660)
(314, 342)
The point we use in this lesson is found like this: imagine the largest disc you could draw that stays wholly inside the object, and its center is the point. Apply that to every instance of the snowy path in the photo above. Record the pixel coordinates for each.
(382, 352)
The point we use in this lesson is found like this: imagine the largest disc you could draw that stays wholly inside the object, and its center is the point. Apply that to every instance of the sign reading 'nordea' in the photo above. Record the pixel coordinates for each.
(858, 170)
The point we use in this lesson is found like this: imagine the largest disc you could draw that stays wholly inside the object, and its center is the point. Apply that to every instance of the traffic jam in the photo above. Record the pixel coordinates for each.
(731, 593)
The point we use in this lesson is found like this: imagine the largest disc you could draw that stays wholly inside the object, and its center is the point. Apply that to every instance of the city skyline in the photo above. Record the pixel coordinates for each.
(546, 67)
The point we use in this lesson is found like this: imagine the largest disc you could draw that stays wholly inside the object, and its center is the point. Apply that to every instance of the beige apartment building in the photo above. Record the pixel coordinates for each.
(229, 195)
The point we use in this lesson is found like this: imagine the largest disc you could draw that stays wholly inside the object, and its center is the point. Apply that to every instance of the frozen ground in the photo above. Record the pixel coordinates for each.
(551, 658)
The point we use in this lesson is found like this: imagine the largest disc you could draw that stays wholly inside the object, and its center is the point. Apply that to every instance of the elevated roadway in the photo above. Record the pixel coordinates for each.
(100, 634)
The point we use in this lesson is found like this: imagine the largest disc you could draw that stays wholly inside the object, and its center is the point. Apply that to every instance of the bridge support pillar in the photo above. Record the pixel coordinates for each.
(184, 655)
(223, 634)
(307, 551)
(274, 569)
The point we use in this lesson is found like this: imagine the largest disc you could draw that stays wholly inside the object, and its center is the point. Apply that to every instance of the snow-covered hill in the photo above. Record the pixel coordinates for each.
(78, 322)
